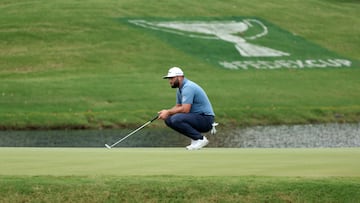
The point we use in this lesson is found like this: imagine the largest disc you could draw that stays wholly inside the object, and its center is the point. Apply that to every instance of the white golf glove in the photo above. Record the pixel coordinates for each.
(213, 130)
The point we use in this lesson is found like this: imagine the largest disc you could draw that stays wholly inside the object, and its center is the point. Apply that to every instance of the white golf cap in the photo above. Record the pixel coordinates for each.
(173, 72)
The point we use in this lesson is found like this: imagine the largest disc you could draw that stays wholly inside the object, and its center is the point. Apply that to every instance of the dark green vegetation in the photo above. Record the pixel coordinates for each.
(70, 64)
(178, 189)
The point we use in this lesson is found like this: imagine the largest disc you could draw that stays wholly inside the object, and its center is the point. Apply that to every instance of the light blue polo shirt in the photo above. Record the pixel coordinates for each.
(192, 93)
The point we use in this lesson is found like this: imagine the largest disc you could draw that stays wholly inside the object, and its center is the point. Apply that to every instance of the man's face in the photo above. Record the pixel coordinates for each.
(174, 82)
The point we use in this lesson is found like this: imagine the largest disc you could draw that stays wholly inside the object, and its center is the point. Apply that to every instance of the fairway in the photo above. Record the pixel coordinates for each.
(340, 162)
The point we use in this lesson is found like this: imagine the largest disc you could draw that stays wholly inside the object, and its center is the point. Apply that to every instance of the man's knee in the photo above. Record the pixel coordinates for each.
(174, 120)
(168, 121)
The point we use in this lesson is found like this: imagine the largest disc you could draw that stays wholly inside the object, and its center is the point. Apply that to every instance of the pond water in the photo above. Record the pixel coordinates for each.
(283, 136)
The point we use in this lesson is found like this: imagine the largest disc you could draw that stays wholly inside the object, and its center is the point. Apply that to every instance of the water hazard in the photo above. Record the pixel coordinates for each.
(283, 136)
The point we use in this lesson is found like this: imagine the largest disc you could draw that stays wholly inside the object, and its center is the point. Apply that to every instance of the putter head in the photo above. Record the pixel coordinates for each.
(107, 146)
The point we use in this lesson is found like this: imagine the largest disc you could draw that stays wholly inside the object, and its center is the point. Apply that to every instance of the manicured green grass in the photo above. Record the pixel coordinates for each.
(73, 64)
(177, 175)
(178, 161)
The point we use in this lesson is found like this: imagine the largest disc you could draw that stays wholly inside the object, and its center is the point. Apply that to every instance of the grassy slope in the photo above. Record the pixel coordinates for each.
(70, 64)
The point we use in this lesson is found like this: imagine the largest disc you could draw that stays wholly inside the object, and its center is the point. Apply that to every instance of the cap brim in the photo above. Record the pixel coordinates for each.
(168, 76)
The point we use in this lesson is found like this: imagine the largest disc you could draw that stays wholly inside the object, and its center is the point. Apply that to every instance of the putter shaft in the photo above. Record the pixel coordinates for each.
(133, 132)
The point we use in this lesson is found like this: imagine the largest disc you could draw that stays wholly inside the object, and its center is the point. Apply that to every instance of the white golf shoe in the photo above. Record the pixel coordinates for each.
(198, 144)
(192, 142)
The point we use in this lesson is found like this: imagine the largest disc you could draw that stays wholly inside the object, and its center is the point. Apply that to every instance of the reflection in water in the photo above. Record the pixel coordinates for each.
(321, 135)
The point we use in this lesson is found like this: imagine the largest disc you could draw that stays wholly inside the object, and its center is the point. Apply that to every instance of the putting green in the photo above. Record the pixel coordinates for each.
(320, 162)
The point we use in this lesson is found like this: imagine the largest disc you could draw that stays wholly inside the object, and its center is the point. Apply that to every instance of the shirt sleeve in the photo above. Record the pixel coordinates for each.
(187, 96)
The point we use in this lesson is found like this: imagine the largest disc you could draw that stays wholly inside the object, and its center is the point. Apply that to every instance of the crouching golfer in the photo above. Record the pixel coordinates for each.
(192, 114)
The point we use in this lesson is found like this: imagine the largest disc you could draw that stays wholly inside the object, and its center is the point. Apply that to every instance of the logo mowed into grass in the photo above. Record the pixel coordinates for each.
(240, 43)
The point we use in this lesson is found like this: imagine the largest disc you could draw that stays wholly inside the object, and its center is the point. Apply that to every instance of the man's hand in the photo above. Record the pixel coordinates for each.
(179, 108)
(163, 114)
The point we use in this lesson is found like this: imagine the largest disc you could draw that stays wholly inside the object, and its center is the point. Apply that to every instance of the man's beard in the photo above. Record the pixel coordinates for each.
(176, 83)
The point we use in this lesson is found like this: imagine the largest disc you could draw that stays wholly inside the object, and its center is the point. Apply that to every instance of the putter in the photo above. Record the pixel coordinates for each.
(133, 132)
